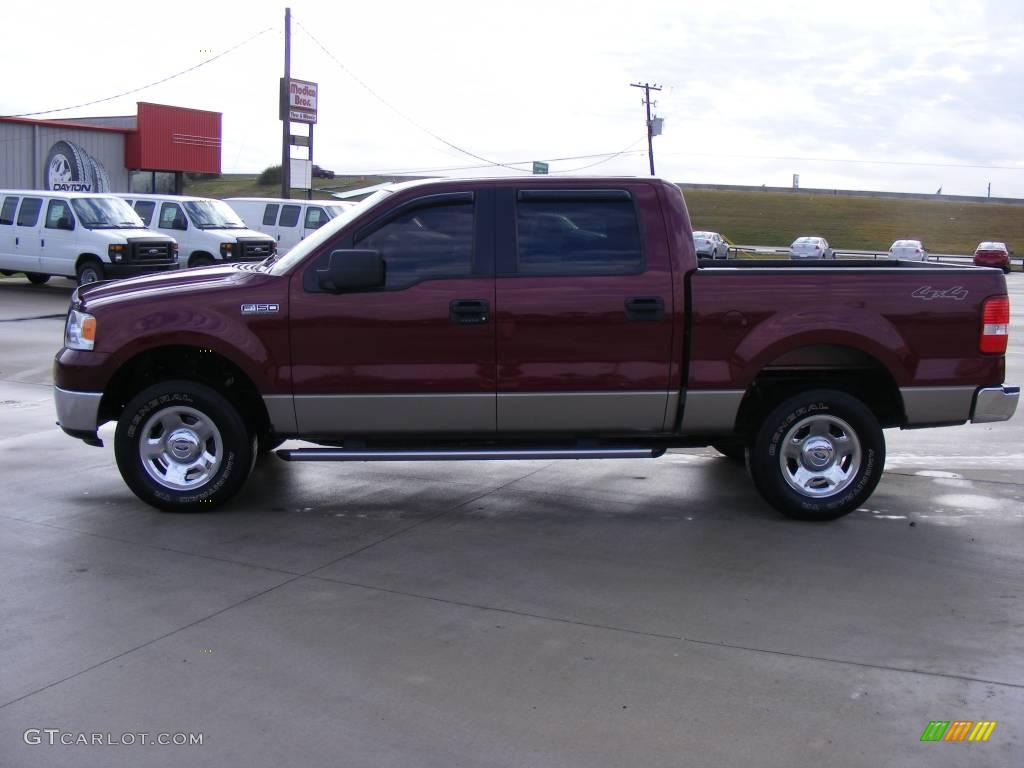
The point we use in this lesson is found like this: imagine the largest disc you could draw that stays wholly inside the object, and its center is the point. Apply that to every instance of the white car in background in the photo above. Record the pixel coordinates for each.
(710, 245)
(811, 247)
(908, 250)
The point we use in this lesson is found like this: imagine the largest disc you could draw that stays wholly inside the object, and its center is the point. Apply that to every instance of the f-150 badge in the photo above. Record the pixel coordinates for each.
(260, 309)
(928, 293)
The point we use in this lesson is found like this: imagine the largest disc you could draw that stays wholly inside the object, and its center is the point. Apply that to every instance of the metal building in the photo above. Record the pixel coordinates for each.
(146, 152)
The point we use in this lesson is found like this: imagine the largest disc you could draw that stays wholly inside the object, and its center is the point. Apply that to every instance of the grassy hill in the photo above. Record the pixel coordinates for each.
(861, 223)
(771, 218)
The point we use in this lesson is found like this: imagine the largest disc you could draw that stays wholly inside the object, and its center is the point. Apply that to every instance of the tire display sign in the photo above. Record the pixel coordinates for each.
(298, 100)
(69, 168)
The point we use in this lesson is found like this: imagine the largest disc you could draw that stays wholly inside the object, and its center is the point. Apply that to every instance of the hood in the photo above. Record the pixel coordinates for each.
(122, 235)
(231, 235)
(162, 285)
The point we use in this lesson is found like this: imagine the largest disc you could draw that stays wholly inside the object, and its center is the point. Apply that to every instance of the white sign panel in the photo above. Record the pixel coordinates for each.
(302, 96)
(302, 174)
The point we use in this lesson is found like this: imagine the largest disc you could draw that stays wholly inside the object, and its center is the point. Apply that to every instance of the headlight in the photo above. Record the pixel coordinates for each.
(80, 331)
(226, 249)
(115, 252)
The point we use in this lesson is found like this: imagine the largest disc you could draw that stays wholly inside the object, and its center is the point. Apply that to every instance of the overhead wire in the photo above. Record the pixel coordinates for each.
(147, 85)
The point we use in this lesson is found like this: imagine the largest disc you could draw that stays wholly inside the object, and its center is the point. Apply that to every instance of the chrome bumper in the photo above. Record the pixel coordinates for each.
(994, 404)
(77, 411)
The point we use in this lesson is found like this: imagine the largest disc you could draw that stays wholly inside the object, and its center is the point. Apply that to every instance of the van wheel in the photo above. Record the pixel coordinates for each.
(202, 260)
(183, 447)
(818, 455)
(90, 271)
(36, 278)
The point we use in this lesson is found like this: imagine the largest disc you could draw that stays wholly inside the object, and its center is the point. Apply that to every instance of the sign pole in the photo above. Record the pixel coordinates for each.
(286, 155)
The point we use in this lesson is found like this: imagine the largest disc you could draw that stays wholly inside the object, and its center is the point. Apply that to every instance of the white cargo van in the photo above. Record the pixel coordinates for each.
(77, 234)
(287, 221)
(206, 230)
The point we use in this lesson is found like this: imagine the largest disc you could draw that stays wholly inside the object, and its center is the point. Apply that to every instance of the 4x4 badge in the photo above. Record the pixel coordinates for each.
(928, 293)
(259, 309)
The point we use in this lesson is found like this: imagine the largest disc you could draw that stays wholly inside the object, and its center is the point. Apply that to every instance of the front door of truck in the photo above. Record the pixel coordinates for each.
(416, 356)
(585, 310)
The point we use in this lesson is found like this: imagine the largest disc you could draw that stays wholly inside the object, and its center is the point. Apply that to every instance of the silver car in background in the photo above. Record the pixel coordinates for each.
(811, 247)
(710, 245)
(908, 250)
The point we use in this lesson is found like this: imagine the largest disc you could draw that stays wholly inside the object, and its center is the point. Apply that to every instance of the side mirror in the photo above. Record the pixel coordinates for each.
(349, 271)
(65, 222)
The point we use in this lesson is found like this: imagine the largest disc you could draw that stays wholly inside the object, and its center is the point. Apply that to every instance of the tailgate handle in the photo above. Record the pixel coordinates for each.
(469, 311)
(647, 308)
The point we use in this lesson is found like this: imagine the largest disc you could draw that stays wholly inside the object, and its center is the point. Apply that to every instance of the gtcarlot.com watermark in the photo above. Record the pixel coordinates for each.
(55, 736)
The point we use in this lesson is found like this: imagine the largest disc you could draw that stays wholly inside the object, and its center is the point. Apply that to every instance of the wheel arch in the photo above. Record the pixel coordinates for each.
(206, 366)
(842, 367)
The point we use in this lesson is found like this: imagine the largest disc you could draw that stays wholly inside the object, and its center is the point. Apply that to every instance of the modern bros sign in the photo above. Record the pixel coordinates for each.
(298, 100)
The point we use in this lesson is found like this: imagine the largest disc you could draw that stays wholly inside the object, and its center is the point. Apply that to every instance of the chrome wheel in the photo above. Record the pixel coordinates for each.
(820, 456)
(181, 448)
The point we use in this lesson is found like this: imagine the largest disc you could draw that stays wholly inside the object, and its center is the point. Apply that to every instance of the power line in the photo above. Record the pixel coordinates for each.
(148, 85)
(852, 161)
(399, 112)
(606, 155)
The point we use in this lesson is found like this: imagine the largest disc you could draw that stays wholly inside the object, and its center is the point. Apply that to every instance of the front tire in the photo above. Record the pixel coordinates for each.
(818, 455)
(183, 447)
(90, 271)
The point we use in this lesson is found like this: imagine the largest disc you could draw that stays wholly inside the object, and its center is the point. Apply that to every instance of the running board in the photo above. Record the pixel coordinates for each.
(495, 454)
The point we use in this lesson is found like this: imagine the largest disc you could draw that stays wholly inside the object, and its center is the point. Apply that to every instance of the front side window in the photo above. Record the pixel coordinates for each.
(58, 215)
(289, 215)
(270, 214)
(145, 210)
(315, 217)
(7, 212)
(171, 216)
(578, 237)
(425, 244)
(28, 214)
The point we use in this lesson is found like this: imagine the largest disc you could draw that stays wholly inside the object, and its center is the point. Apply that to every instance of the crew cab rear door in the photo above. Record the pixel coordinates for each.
(585, 309)
(416, 356)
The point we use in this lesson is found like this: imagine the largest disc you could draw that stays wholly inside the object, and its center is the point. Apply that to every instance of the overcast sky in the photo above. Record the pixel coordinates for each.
(896, 95)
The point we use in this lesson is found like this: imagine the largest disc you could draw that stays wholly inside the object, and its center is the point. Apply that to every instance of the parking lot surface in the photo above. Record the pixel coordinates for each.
(584, 613)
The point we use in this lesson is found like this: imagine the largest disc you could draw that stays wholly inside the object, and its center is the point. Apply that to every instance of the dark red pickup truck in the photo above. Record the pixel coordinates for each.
(529, 318)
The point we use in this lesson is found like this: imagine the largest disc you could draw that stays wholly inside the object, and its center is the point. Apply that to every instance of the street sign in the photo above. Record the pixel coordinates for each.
(539, 167)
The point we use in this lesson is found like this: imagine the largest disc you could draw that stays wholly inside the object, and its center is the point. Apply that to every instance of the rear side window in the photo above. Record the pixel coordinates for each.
(55, 212)
(7, 212)
(289, 215)
(425, 244)
(270, 214)
(145, 210)
(591, 235)
(28, 215)
(315, 217)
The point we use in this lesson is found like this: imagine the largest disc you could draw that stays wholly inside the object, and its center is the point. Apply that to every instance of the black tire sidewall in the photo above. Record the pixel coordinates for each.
(764, 458)
(90, 263)
(239, 446)
(37, 278)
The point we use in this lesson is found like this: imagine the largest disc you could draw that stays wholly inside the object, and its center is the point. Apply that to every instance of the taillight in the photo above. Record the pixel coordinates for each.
(995, 325)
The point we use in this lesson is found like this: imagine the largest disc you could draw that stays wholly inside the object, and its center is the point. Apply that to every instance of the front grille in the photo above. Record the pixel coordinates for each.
(254, 250)
(151, 252)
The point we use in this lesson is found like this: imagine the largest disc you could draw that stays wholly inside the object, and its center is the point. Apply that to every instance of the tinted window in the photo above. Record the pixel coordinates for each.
(425, 243)
(57, 210)
(171, 216)
(7, 212)
(585, 237)
(315, 217)
(29, 213)
(145, 210)
(270, 214)
(289, 215)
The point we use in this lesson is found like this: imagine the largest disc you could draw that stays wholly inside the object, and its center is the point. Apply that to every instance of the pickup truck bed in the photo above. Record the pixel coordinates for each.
(517, 318)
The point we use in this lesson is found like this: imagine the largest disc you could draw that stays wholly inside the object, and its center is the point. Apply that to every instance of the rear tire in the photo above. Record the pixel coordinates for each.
(36, 278)
(181, 446)
(818, 455)
(90, 271)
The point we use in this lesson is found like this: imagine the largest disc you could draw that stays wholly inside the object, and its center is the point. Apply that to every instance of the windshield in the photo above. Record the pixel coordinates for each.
(105, 213)
(282, 263)
(212, 214)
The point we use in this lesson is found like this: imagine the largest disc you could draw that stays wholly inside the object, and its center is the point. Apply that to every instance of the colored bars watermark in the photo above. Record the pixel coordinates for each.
(958, 730)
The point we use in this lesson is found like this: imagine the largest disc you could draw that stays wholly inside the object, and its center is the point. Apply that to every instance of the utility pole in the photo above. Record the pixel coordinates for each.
(286, 154)
(650, 132)
(990, 189)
